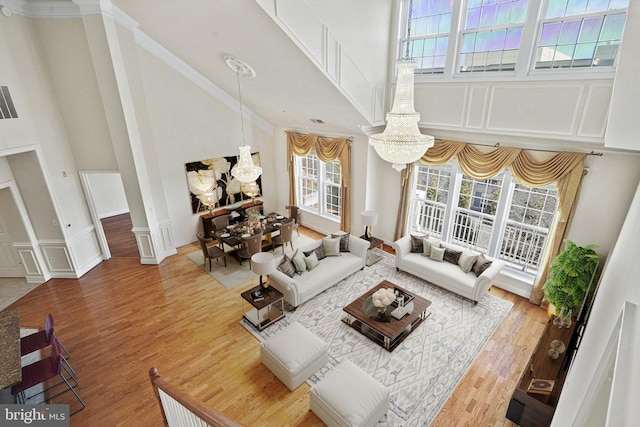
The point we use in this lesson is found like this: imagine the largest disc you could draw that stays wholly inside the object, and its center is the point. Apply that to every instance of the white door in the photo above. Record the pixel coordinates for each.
(10, 264)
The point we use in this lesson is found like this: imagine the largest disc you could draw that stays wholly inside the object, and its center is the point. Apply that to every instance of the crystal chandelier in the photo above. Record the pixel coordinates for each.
(245, 170)
(401, 141)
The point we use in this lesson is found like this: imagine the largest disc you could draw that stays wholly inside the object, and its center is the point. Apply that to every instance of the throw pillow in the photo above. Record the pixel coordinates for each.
(416, 242)
(319, 250)
(344, 241)
(299, 262)
(451, 255)
(481, 265)
(466, 260)
(437, 253)
(311, 260)
(331, 246)
(286, 266)
(426, 245)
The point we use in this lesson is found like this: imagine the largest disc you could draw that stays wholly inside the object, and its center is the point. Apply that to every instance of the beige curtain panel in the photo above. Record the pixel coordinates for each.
(565, 169)
(327, 150)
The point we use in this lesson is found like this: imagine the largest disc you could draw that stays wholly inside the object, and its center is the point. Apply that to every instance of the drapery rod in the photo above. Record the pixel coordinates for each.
(349, 138)
(591, 153)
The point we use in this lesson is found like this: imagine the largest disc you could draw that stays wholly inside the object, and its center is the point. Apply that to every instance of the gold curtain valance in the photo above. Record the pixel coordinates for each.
(327, 149)
(484, 165)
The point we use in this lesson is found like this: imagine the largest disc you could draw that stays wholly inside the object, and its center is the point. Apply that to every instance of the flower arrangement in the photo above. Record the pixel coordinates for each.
(383, 297)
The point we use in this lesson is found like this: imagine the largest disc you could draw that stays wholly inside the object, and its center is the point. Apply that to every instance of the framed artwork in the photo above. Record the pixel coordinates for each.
(214, 176)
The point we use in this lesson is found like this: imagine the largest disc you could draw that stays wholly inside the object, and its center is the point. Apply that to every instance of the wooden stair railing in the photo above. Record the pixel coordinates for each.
(180, 409)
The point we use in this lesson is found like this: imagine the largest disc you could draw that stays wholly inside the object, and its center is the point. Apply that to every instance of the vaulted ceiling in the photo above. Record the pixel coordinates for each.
(288, 91)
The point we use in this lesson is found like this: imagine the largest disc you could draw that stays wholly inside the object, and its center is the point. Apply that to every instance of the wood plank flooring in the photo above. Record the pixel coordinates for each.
(122, 318)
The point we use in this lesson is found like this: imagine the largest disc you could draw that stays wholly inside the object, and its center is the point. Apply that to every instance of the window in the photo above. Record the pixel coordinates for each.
(429, 27)
(580, 33)
(491, 34)
(480, 36)
(319, 185)
(505, 219)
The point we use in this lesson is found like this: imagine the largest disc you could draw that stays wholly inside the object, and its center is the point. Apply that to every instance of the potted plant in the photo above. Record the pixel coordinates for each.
(570, 278)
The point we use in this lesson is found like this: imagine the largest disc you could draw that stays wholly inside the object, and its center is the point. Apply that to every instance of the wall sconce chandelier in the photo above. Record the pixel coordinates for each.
(401, 141)
(245, 170)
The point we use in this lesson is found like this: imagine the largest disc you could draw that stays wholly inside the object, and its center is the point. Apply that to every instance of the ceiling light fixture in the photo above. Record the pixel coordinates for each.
(401, 141)
(245, 170)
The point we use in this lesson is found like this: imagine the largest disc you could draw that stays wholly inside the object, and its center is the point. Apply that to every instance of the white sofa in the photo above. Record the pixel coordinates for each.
(445, 274)
(330, 270)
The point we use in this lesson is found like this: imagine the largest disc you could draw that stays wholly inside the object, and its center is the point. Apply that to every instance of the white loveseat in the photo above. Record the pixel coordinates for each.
(445, 274)
(330, 270)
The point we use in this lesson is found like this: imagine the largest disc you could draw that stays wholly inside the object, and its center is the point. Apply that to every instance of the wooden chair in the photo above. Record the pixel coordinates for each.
(294, 213)
(285, 236)
(210, 251)
(252, 245)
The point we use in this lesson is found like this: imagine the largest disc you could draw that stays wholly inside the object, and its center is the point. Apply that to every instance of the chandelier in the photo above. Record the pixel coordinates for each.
(245, 170)
(401, 141)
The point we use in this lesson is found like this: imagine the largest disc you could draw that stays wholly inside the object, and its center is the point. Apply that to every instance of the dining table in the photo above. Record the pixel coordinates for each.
(10, 366)
(234, 234)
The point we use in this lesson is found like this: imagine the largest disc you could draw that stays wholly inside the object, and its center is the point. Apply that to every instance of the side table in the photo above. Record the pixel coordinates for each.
(374, 243)
(265, 312)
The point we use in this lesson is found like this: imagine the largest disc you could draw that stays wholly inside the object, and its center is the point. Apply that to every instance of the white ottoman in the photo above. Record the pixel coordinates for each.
(348, 396)
(294, 355)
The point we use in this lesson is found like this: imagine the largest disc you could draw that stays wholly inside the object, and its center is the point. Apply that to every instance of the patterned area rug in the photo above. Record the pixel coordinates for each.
(234, 273)
(425, 368)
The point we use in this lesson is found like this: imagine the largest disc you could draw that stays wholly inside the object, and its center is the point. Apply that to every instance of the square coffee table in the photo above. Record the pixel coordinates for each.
(362, 316)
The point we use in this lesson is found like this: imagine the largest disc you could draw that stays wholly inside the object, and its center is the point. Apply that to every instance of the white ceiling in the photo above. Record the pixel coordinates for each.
(288, 89)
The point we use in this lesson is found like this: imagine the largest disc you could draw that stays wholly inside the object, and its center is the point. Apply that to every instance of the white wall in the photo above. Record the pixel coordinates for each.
(108, 194)
(190, 125)
(619, 283)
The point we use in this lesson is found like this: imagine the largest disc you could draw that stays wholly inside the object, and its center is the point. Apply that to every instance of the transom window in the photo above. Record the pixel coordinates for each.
(318, 185)
(498, 216)
(495, 35)
(491, 34)
(581, 33)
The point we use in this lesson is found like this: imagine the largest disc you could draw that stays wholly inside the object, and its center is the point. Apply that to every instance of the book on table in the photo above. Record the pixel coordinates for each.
(540, 386)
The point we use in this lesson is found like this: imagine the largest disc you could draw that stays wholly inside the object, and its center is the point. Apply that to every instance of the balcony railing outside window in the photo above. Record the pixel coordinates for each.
(521, 246)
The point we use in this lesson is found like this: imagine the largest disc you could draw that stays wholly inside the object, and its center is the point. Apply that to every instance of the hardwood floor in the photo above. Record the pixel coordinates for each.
(120, 238)
(122, 318)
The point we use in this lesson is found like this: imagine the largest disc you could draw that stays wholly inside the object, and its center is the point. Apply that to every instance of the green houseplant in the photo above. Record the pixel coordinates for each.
(570, 278)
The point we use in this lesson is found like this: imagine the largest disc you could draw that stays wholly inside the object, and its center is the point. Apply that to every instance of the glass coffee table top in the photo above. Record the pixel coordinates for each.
(387, 331)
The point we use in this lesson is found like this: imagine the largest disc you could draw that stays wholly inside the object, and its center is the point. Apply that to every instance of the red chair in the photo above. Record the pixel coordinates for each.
(41, 339)
(42, 371)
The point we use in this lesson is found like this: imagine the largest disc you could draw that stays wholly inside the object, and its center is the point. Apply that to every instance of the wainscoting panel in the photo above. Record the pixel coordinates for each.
(477, 107)
(301, 21)
(441, 105)
(535, 108)
(85, 251)
(57, 258)
(596, 110)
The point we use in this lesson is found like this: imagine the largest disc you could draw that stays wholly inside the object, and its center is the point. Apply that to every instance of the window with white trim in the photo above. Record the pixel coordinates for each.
(497, 216)
(481, 36)
(581, 33)
(318, 185)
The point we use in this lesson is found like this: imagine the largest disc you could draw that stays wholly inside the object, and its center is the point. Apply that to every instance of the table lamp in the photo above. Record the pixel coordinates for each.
(369, 219)
(263, 264)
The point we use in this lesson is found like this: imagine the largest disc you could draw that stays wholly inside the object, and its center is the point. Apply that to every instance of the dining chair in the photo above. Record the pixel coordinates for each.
(221, 221)
(210, 251)
(44, 370)
(294, 213)
(285, 236)
(252, 245)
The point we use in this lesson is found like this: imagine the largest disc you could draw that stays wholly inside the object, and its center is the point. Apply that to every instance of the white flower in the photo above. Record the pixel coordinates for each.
(383, 297)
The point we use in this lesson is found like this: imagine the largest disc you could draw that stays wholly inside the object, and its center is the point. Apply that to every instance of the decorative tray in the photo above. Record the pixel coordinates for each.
(401, 296)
